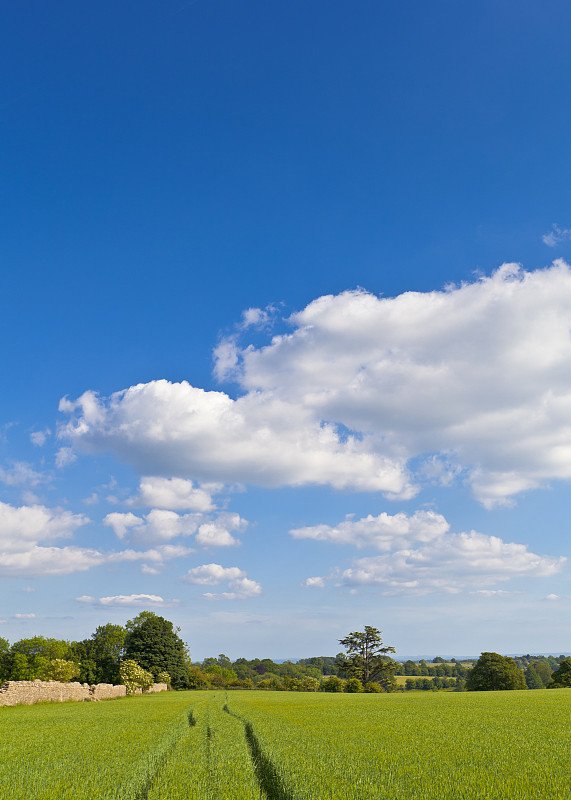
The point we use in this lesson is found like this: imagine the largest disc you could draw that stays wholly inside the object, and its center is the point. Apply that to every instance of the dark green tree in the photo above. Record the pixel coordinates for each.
(561, 677)
(153, 643)
(493, 672)
(366, 658)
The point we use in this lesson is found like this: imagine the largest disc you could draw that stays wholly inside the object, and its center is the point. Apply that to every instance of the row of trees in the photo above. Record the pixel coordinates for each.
(150, 641)
(150, 644)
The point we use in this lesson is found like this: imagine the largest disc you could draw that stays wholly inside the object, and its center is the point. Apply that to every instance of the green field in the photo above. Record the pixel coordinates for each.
(291, 746)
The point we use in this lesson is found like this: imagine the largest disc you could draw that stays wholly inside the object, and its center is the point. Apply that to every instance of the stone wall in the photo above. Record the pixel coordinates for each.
(14, 693)
(157, 687)
(27, 693)
(106, 691)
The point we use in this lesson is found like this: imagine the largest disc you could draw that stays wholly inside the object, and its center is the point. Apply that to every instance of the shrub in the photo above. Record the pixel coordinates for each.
(353, 686)
(59, 669)
(373, 688)
(332, 684)
(134, 677)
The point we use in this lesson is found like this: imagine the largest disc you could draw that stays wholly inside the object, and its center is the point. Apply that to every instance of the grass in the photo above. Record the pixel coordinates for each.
(291, 746)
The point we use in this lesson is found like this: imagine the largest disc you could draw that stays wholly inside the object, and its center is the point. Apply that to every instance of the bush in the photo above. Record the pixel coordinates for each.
(61, 670)
(353, 686)
(373, 688)
(164, 677)
(134, 677)
(332, 684)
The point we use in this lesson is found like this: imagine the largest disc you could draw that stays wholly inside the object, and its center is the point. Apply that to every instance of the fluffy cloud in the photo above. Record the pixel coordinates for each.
(25, 526)
(239, 586)
(213, 574)
(127, 601)
(177, 429)
(450, 564)
(160, 526)
(175, 494)
(314, 583)
(472, 382)
(156, 527)
(384, 532)
(26, 549)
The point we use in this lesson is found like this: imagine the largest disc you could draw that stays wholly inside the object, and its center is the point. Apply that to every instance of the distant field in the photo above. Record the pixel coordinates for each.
(291, 746)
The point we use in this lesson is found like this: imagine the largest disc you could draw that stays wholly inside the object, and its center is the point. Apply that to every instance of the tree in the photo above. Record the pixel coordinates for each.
(366, 658)
(532, 679)
(152, 642)
(353, 686)
(493, 672)
(543, 670)
(562, 676)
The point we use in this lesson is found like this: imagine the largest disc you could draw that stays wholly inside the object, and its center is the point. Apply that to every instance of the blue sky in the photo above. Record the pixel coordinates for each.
(285, 322)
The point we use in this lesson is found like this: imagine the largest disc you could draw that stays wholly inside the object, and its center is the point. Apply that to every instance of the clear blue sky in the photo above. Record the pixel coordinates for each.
(230, 206)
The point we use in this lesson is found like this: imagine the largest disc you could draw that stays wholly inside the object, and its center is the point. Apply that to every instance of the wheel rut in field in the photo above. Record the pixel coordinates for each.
(266, 773)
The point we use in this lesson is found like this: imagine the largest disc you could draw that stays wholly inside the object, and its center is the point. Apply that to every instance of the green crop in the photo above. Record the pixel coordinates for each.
(291, 746)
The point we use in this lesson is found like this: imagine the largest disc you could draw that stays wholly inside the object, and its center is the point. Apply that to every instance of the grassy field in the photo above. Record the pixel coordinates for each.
(291, 746)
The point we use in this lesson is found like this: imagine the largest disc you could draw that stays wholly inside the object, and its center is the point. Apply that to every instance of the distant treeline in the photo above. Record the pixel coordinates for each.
(153, 644)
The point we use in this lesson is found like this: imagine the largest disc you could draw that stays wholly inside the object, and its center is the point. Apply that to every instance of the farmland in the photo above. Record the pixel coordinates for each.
(291, 746)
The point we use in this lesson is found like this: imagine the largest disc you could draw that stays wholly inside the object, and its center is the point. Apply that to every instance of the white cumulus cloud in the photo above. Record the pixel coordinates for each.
(450, 564)
(239, 586)
(175, 494)
(383, 532)
(470, 383)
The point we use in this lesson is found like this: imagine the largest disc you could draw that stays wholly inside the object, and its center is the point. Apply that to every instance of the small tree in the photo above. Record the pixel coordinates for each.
(493, 672)
(309, 684)
(164, 677)
(353, 686)
(134, 677)
(366, 658)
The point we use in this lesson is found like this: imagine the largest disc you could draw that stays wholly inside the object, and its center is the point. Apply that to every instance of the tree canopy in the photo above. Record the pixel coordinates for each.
(562, 676)
(493, 672)
(367, 659)
(152, 642)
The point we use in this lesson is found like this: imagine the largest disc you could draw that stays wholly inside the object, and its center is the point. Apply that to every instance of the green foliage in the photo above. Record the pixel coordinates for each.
(366, 658)
(532, 679)
(58, 669)
(333, 684)
(152, 642)
(353, 686)
(493, 672)
(562, 676)
(40, 646)
(134, 677)
(373, 688)
(164, 677)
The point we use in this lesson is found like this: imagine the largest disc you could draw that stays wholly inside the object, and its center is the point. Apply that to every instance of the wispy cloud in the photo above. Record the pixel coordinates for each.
(556, 235)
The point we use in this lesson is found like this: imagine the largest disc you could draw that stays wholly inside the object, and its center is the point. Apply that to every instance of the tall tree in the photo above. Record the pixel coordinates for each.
(367, 658)
(562, 676)
(153, 643)
(493, 672)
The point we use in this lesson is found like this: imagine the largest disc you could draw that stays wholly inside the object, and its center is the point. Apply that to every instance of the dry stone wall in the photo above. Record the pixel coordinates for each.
(27, 693)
